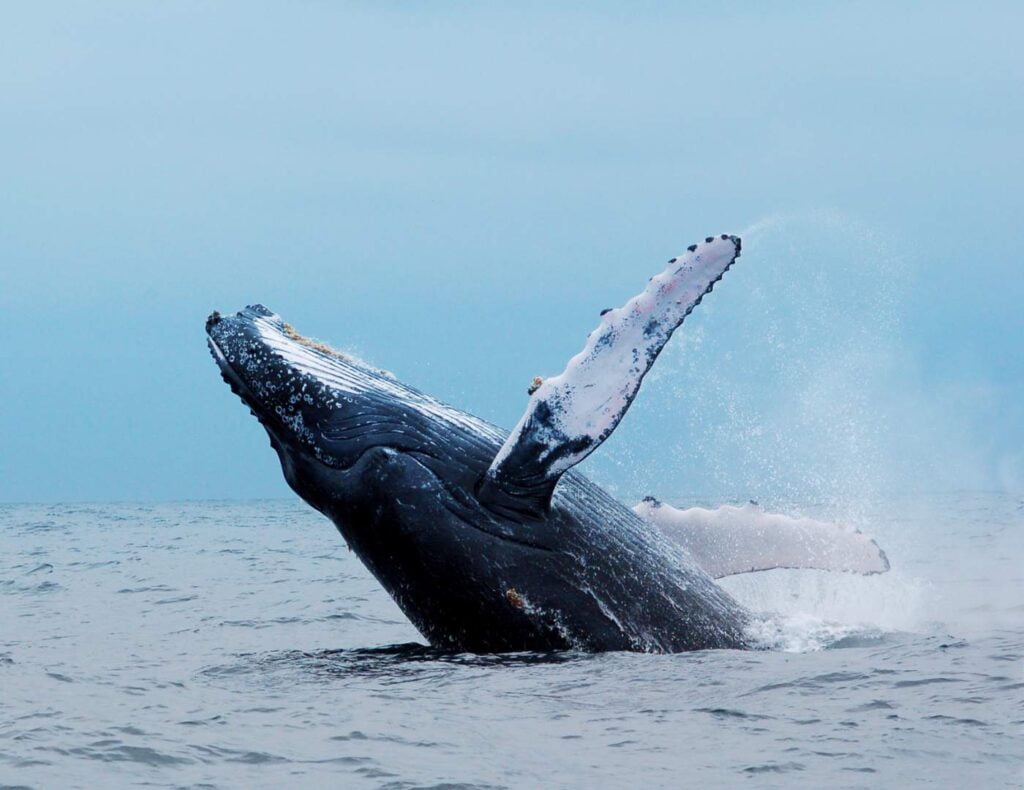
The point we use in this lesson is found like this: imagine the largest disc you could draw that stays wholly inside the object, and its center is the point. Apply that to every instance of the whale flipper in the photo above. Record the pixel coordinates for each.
(731, 540)
(569, 415)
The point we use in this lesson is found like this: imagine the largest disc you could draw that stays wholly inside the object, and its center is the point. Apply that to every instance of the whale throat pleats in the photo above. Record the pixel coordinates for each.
(571, 414)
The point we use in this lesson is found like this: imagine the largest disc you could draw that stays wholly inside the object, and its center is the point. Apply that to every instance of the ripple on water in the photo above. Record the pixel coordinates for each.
(260, 668)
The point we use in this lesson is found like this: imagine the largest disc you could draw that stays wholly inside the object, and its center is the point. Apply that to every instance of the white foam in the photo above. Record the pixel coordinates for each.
(811, 610)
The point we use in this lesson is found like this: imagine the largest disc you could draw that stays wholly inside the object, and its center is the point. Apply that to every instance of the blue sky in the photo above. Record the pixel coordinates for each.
(455, 190)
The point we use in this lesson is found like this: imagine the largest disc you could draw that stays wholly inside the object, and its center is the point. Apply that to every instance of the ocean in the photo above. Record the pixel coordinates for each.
(241, 644)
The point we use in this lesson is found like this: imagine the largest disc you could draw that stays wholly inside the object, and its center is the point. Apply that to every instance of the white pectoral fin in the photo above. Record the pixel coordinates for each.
(571, 414)
(731, 540)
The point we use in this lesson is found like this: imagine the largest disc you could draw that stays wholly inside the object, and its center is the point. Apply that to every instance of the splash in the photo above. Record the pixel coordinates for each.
(815, 610)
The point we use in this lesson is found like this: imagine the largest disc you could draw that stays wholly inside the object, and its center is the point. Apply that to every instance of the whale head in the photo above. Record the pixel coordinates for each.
(324, 410)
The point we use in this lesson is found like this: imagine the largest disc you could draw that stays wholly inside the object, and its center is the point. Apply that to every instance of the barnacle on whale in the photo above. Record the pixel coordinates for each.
(318, 345)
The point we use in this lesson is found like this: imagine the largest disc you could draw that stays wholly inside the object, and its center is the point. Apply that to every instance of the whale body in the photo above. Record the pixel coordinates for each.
(488, 540)
(396, 470)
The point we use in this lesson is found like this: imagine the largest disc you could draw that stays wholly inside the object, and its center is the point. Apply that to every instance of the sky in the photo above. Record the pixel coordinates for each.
(455, 190)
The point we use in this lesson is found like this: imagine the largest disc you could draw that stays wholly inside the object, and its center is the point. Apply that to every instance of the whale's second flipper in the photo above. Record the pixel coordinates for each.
(569, 415)
(731, 540)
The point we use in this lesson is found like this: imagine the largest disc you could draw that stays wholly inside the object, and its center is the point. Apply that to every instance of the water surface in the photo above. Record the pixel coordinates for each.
(242, 644)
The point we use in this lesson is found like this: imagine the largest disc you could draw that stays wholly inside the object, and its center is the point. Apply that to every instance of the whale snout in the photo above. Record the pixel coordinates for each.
(248, 315)
(240, 341)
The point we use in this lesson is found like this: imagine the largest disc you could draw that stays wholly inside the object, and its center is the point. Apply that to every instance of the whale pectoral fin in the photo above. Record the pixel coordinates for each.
(731, 540)
(571, 414)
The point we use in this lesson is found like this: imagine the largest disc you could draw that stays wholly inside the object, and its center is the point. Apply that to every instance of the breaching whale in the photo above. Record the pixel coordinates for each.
(488, 540)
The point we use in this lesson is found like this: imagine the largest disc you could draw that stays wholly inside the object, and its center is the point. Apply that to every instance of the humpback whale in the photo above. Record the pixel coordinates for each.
(488, 540)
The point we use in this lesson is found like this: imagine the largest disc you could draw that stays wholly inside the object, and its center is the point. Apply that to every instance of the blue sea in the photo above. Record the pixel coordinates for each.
(240, 644)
